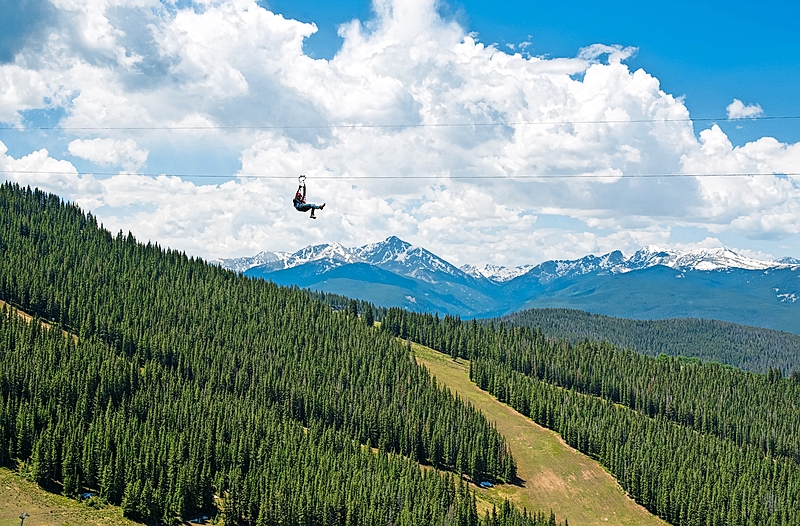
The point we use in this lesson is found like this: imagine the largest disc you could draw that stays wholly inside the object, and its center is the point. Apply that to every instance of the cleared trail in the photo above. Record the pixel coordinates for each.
(554, 475)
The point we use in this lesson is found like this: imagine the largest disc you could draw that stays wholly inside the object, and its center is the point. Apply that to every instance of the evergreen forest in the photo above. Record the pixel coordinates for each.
(182, 389)
(697, 444)
(749, 348)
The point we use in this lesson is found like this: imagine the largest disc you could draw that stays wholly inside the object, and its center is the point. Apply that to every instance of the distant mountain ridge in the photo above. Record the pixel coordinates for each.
(651, 283)
(391, 252)
(394, 250)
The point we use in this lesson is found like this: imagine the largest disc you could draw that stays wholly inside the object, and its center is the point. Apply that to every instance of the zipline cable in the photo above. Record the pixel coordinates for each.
(389, 126)
(421, 176)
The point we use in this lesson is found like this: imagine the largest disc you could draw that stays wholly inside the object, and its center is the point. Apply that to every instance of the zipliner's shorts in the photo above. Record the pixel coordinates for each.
(305, 207)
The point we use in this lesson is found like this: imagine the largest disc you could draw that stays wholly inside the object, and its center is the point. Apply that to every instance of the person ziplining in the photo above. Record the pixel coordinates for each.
(300, 199)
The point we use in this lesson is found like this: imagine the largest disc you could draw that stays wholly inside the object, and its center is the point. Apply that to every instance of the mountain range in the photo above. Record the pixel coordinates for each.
(652, 283)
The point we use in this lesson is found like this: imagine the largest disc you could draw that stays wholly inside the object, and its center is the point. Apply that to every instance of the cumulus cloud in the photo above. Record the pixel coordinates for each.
(39, 169)
(91, 27)
(415, 128)
(738, 110)
(20, 89)
(752, 203)
(109, 152)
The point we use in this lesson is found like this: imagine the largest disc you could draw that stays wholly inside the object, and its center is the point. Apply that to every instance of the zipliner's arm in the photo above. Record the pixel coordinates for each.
(301, 191)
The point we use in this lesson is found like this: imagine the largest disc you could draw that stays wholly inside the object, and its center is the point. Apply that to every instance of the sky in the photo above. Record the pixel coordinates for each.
(504, 133)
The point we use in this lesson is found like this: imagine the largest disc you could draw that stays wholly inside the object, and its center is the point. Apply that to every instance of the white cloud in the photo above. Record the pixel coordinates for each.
(38, 169)
(20, 89)
(737, 110)
(109, 152)
(753, 205)
(94, 30)
(233, 63)
(615, 53)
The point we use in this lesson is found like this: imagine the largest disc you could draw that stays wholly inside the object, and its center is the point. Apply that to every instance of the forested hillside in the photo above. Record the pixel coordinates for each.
(696, 444)
(750, 348)
(187, 381)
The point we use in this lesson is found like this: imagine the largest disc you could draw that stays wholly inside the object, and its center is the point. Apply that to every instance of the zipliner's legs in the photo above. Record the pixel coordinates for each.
(305, 207)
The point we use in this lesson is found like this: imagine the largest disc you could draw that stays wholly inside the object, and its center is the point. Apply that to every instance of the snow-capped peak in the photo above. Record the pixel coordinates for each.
(244, 263)
(698, 259)
(333, 251)
(400, 256)
(497, 273)
(392, 253)
(389, 249)
(706, 259)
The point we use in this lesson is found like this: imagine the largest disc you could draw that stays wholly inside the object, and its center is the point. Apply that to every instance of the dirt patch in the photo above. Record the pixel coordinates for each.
(548, 480)
(27, 317)
(18, 496)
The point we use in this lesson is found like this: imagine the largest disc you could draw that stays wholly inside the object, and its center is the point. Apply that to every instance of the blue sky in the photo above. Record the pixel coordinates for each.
(94, 69)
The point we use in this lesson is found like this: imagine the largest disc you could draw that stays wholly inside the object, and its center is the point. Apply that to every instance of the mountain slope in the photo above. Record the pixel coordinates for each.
(188, 381)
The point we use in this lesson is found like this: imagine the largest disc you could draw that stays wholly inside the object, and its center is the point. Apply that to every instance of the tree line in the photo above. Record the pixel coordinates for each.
(748, 348)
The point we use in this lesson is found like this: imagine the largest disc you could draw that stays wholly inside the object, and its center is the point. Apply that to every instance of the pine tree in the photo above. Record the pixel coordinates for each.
(369, 315)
